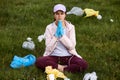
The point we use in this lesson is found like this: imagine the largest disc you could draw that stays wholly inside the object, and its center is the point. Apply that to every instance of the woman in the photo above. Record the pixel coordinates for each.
(60, 42)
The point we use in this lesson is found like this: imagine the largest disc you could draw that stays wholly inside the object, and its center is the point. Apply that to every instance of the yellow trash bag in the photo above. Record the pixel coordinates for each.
(55, 73)
(90, 12)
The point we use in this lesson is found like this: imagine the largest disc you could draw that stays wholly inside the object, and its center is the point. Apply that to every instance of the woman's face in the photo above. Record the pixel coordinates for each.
(59, 15)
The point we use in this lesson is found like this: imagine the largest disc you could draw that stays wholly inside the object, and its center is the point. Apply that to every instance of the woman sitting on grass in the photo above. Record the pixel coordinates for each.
(60, 42)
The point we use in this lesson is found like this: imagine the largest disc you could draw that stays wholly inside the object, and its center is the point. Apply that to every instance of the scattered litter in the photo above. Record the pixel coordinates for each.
(41, 37)
(26, 61)
(111, 20)
(29, 44)
(99, 17)
(76, 11)
(53, 74)
(90, 76)
(88, 12)
(91, 12)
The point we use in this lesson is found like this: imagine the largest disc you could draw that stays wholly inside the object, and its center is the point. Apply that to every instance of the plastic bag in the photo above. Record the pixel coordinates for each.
(54, 74)
(76, 11)
(29, 44)
(26, 61)
(41, 37)
(90, 76)
(91, 12)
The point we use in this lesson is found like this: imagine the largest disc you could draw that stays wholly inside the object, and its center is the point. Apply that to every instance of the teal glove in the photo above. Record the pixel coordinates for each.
(60, 31)
(57, 33)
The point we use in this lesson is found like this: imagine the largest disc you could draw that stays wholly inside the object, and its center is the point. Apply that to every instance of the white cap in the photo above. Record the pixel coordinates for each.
(59, 7)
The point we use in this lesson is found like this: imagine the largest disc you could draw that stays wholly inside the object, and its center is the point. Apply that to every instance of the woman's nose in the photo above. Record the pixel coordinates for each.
(59, 14)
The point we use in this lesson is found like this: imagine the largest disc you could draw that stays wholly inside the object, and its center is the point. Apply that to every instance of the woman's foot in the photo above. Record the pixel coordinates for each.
(61, 67)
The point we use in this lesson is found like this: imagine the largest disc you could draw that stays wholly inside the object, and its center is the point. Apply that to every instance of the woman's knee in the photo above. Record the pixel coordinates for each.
(39, 62)
(42, 62)
(83, 65)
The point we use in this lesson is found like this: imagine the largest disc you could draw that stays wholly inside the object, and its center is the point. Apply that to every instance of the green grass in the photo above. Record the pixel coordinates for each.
(98, 41)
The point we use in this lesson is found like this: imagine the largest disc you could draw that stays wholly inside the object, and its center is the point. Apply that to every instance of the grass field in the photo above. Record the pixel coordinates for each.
(98, 41)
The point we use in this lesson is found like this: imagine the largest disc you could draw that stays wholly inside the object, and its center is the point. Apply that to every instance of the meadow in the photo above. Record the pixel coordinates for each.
(98, 41)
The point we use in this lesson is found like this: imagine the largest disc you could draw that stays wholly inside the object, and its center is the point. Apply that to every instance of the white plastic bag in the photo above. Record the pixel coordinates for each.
(90, 76)
(76, 11)
(41, 37)
(29, 44)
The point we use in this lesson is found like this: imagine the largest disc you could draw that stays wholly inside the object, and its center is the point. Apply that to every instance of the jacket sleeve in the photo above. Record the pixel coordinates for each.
(50, 41)
(69, 41)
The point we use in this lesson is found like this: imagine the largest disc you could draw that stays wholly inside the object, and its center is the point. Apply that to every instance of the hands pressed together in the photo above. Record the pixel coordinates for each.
(60, 30)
